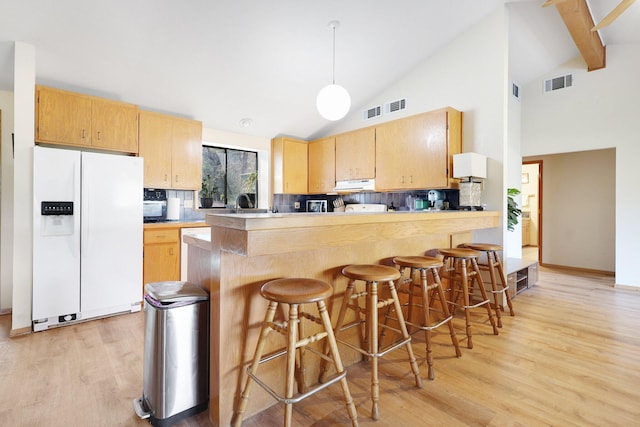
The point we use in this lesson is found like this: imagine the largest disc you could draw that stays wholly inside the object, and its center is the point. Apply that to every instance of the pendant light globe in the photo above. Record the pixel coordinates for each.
(333, 102)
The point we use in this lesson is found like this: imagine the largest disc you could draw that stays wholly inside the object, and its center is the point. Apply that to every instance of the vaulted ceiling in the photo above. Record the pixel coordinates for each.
(220, 62)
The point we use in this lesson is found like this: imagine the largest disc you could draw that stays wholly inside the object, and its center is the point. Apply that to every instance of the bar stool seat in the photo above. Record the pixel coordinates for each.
(424, 265)
(494, 264)
(294, 292)
(372, 275)
(463, 272)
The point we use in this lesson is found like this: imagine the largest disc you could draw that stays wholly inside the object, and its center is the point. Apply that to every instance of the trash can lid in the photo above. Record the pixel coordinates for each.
(170, 292)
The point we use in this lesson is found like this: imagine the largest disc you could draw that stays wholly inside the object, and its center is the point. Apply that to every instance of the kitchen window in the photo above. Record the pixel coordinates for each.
(226, 174)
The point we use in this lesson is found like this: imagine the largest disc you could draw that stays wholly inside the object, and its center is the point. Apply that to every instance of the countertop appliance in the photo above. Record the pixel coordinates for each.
(366, 207)
(154, 205)
(87, 240)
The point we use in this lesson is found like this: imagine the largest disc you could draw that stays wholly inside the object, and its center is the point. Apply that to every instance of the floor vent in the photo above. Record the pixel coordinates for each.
(372, 113)
(394, 106)
(556, 83)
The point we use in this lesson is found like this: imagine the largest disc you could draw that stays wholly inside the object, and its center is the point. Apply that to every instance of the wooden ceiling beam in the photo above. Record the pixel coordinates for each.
(577, 18)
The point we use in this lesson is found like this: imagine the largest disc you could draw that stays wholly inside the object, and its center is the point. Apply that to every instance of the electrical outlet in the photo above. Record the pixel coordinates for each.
(188, 204)
(296, 205)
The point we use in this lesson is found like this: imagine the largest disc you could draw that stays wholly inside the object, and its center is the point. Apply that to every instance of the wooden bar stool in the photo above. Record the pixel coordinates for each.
(372, 275)
(494, 264)
(462, 267)
(295, 292)
(425, 264)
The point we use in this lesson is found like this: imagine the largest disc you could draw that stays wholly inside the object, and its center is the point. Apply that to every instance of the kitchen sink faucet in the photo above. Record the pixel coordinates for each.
(246, 197)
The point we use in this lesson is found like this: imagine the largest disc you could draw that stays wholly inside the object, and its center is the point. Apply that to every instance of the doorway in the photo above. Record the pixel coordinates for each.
(531, 197)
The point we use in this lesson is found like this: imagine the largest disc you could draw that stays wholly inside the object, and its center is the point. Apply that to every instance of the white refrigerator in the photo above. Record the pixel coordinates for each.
(87, 235)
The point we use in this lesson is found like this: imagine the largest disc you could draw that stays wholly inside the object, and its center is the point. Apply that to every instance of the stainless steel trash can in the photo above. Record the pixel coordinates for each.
(176, 353)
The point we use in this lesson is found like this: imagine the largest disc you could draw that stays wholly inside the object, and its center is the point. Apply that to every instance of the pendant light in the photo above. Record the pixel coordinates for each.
(333, 100)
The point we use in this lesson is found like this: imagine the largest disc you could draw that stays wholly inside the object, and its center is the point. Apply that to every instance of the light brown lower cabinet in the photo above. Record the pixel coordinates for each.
(161, 256)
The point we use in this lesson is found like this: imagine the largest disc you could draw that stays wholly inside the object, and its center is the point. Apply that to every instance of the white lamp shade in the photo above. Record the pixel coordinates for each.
(469, 164)
(333, 102)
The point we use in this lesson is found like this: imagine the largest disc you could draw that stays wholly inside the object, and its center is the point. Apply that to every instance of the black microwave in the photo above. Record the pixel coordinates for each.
(154, 205)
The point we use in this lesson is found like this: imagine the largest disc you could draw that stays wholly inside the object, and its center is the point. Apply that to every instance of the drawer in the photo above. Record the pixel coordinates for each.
(162, 236)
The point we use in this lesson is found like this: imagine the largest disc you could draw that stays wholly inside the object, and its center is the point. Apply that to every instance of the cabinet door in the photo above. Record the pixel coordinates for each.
(155, 135)
(161, 255)
(322, 160)
(114, 125)
(289, 172)
(392, 171)
(356, 155)
(161, 262)
(416, 152)
(62, 117)
(426, 139)
(186, 155)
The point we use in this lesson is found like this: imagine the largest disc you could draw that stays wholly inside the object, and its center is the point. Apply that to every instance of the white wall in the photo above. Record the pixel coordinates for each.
(469, 75)
(24, 118)
(578, 209)
(6, 204)
(600, 110)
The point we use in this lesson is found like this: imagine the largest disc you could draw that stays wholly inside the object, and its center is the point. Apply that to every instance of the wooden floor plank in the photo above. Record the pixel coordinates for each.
(570, 357)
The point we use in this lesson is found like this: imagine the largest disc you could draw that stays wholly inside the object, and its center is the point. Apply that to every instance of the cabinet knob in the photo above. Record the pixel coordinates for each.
(177, 180)
(84, 133)
(98, 133)
(170, 251)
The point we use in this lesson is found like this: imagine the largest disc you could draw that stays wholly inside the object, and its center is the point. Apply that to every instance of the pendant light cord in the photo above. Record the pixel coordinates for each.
(334, 54)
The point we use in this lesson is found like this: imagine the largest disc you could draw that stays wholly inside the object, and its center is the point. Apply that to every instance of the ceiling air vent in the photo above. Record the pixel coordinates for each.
(372, 113)
(556, 83)
(394, 106)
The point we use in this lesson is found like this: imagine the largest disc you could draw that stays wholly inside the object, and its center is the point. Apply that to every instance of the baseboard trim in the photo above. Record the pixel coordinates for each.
(19, 332)
(579, 269)
(627, 287)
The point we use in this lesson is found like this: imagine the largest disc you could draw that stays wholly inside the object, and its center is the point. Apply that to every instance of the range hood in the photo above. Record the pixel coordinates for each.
(354, 185)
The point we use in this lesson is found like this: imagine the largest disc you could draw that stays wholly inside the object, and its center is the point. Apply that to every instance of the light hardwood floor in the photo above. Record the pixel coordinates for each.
(570, 357)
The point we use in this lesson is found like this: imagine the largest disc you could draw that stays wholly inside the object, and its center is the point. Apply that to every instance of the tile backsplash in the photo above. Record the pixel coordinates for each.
(286, 202)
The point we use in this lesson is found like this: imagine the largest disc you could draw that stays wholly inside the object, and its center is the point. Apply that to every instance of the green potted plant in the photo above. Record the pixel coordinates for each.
(206, 192)
(513, 212)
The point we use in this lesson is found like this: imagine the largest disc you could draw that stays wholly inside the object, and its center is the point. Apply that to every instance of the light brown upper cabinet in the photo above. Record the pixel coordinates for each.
(69, 118)
(356, 154)
(289, 166)
(322, 160)
(172, 151)
(417, 152)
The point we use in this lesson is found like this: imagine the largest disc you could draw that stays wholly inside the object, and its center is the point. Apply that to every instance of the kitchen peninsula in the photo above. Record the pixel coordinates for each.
(246, 250)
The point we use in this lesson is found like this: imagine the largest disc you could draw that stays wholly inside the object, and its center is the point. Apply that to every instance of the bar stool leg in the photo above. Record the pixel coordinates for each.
(372, 326)
(337, 361)
(405, 334)
(503, 281)
(462, 265)
(492, 275)
(264, 333)
(292, 337)
(427, 322)
(445, 310)
(483, 293)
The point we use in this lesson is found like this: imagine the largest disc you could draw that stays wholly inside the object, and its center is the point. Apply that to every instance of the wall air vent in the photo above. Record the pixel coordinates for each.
(372, 113)
(515, 91)
(556, 83)
(394, 106)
